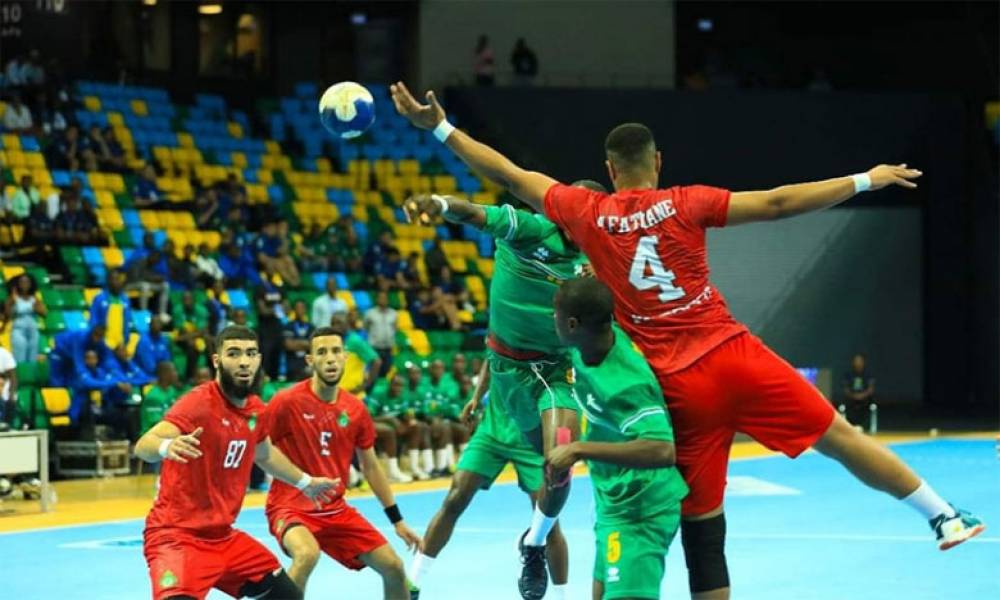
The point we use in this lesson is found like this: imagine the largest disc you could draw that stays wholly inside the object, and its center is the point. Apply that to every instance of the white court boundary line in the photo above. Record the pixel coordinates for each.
(503, 483)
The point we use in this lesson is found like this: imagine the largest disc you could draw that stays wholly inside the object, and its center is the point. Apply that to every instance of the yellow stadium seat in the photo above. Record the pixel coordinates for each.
(488, 198)
(57, 401)
(457, 264)
(114, 182)
(323, 165)
(11, 141)
(150, 219)
(110, 218)
(445, 184)
(96, 181)
(409, 166)
(347, 297)
(11, 235)
(34, 160)
(162, 154)
(265, 177)
(115, 119)
(139, 108)
(11, 272)
(256, 193)
(273, 147)
(89, 294)
(418, 341)
(239, 159)
(235, 129)
(186, 140)
(113, 257)
(15, 158)
(213, 239)
(485, 266)
(92, 103)
(42, 178)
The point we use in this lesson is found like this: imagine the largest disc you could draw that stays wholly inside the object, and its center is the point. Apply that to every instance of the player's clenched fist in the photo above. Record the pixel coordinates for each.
(422, 209)
(184, 447)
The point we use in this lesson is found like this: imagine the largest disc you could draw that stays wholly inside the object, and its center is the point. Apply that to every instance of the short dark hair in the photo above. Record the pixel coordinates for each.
(630, 145)
(591, 185)
(234, 332)
(588, 300)
(325, 331)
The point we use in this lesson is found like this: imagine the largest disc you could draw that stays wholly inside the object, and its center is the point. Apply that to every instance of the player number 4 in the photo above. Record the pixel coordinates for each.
(234, 454)
(646, 256)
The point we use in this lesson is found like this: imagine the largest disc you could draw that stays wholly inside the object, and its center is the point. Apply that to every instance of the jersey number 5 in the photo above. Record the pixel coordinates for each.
(646, 255)
(234, 454)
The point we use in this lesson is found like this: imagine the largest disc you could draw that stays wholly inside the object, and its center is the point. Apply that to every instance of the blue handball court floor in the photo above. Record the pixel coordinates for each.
(799, 530)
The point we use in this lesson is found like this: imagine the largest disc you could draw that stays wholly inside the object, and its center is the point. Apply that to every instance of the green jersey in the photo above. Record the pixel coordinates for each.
(155, 404)
(441, 398)
(622, 401)
(532, 258)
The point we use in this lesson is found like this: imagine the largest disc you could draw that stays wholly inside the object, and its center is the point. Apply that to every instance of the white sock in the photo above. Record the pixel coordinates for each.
(926, 502)
(428, 459)
(394, 466)
(420, 567)
(540, 527)
(354, 477)
(449, 455)
(442, 458)
(414, 455)
(558, 591)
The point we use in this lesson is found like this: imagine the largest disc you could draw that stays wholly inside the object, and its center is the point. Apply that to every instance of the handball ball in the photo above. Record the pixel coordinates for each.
(347, 109)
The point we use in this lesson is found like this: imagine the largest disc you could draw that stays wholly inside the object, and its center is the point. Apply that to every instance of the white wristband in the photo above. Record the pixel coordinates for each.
(443, 130)
(862, 182)
(304, 482)
(164, 446)
(442, 202)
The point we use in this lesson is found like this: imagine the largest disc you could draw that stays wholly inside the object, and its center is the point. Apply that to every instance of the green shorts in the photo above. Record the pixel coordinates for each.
(630, 555)
(486, 456)
(526, 389)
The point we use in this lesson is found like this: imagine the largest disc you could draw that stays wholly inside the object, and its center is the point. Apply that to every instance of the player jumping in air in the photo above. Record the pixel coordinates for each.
(320, 425)
(717, 378)
(628, 445)
(208, 442)
(528, 369)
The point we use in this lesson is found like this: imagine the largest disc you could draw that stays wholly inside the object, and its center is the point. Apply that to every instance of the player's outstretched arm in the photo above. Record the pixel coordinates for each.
(529, 186)
(375, 476)
(423, 208)
(790, 200)
(319, 489)
(636, 454)
(165, 442)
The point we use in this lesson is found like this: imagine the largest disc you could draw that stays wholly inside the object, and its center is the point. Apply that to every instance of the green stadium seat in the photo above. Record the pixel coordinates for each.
(53, 299)
(54, 322)
(73, 299)
(71, 255)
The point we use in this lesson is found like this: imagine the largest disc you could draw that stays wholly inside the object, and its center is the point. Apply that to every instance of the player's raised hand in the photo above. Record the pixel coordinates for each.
(886, 175)
(422, 209)
(184, 447)
(409, 537)
(321, 490)
(563, 457)
(424, 116)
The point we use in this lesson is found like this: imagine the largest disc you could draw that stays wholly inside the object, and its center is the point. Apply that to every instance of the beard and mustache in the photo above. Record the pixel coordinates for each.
(235, 389)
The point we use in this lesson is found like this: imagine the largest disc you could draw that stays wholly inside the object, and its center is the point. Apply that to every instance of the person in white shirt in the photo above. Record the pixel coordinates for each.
(17, 116)
(8, 385)
(327, 305)
(380, 323)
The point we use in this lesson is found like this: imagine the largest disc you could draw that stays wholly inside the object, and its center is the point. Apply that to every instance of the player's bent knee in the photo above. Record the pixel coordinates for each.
(704, 550)
(275, 586)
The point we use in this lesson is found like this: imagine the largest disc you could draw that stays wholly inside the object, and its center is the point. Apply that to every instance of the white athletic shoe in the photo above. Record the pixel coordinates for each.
(952, 531)
(400, 477)
(419, 475)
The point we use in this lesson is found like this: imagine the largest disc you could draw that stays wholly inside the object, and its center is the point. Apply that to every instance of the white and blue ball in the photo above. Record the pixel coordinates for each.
(347, 109)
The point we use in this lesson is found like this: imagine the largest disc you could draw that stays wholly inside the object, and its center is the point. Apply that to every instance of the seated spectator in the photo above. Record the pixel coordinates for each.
(146, 193)
(442, 407)
(435, 260)
(202, 375)
(183, 273)
(128, 370)
(150, 275)
(21, 311)
(67, 355)
(65, 151)
(238, 269)
(98, 395)
(271, 317)
(8, 386)
(207, 210)
(111, 309)
(153, 348)
(316, 253)
(458, 370)
(114, 159)
(148, 245)
(411, 271)
(40, 228)
(378, 251)
(348, 254)
(218, 308)
(190, 321)
(272, 255)
(391, 269)
(360, 377)
(239, 318)
(53, 116)
(160, 397)
(230, 190)
(17, 117)
(431, 310)
(454, 291)
(296, 337)
(326, 306)
(23, 200)
(75, 225)
(206, 269)
(33, 71)
(380, 323)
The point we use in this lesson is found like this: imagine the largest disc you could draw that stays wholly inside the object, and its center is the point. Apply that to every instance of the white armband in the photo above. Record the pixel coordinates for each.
(443, 130)
(442, 202)
(164, 447)
(862, 182)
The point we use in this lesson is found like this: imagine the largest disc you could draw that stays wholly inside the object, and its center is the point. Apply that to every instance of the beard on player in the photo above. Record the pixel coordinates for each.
(235, 384)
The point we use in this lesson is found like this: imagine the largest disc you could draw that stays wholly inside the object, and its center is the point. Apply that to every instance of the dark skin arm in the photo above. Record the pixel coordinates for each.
(636, 454)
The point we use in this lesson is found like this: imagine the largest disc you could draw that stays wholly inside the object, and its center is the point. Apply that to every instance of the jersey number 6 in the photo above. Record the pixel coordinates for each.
(645, 254)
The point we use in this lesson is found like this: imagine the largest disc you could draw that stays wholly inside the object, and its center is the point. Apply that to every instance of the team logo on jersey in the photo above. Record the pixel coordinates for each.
(252, 422)
(225, 422)
(308, 417)
(168, 579)
(542, 253)
(592, 403)
(571, 376)
(281, 525)
(343, 420)
(614, 575)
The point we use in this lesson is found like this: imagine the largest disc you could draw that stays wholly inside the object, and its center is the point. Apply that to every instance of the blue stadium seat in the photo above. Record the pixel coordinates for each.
(362, 300)
(238, 299)
(140, 320)
(92, 256)
(342, 282)
(74, 320)
(319, 280)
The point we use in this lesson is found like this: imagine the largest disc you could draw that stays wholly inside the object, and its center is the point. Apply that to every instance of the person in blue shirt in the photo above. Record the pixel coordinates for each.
(127, 370)
(113, 304)
(146, 192)
(153, 348)
(148, 245)
(239, 271)
(97, 390)
(67, 356)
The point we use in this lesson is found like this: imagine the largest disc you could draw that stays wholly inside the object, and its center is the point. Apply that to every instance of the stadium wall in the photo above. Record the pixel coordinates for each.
(624, 45)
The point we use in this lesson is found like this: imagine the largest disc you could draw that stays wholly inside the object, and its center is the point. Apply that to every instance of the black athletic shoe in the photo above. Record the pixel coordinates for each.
(534, 577)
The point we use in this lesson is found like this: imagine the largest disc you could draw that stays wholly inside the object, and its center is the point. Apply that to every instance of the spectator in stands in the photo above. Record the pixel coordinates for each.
(150, 275)
(68, 351)
(391, 269)
(442, 407)
(271, 317)
(218, 308)
(146, 193)
(40, 228)
(316, 253)
(33, 71)
(207, 269)
(355, 345)
(296, 341)
(525, 63)
(17, 117)
(181, 268)
(128, 370)
(140, 253)
(435, 260)
(98, 395)
(390, 404)
(272, 255)
(237, 268)
(190, 321)
(454, 291)
(378, 251)
(431, 310)
(14, 72)
(326, 306)
(160, 397)
(459, 366)
(8, 386)
(114, 160)
(411, 271)
(380, 322)
(52, 115)
(153, 347)
(111, 309)
(207, 210)
(75, 225)
(24, 198)
(202, 375)
(483, 66)
(349, 253)
(21, 310)
(858, 391)
(65, 152)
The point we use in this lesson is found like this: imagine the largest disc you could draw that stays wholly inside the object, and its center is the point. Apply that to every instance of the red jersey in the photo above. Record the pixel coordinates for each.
(319, 437)
(648, 246)
(206, 494)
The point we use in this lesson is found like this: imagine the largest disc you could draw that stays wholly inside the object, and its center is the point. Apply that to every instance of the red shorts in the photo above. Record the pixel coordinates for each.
(739, 386)
(181, 564)
(342, 532)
